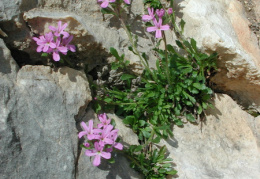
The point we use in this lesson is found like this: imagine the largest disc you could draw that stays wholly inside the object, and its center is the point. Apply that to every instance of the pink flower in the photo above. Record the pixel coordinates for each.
(89, 131)
(60, 30)
(98, 153)
(104, 121)
(104, 137)
(59, 48)
(170, 11)
(66, 41)
(105, 3)
(149, 17)
(127, 1)
(113, 136)
(160, 13)
(45, 42)
(158, 28)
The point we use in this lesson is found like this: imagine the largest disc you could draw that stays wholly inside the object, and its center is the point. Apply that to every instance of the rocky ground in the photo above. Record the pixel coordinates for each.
(250, 8)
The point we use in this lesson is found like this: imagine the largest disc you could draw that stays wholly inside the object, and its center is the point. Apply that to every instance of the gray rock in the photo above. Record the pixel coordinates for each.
(227, 145)
(38, 130)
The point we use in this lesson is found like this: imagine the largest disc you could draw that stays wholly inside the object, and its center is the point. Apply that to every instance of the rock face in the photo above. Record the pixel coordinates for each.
(222, 26)
(38, 131)
(227, 145)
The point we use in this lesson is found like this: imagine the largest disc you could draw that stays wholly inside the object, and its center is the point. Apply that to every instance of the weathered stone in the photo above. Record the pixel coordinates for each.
(227, 145)
(38, 131)
(8, 65)
(222, 27)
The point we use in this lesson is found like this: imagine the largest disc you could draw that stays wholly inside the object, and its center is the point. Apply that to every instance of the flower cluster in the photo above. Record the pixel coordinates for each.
(100, 140)
(55, 42)
(105, 3)
(157, 22)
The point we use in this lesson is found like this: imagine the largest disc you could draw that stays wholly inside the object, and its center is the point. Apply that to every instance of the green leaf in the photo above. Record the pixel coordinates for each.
(145, 133)
(190, 118)
(182, 24)
(141, 123)
(127, 77)
(138, 148)
(107, 11)
(44, 54)
(111, 160)
(114, 52)
(179, 44)
(156, 140)
(172, 172)
(199, 86)
(193, 44)
(129, 120)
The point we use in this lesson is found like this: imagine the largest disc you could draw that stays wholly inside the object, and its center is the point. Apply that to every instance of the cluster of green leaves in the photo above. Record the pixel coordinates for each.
(156, 105)
(156, 4)
(153, 164)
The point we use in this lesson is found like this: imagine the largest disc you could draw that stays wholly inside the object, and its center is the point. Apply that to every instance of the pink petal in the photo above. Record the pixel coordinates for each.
(62, 49)
(108, 141)
(64, 26)
(65, 34)
(165, 27)
(119, 146)
(127, 1)
(72, 48)
(90, 153)
(84, 126)
(104, 4)
(97, 160)
(52, 28)
(106, 155)
(151, 29)
(39, 48)
(158, 33)
(56, 56)
(45, 48)
(36, 39)
(82, 133)
(52, 45)
(147, 18)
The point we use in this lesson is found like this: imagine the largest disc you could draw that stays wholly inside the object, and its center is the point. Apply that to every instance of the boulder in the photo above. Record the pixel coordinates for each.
(225, 145)
(38, 107)
(221, 26)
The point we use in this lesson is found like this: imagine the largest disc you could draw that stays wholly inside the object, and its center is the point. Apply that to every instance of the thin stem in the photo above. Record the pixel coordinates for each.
(144, 63)
(166, 59)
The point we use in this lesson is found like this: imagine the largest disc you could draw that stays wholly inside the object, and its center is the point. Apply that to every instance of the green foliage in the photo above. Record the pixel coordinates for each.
(153, 164)
(174, 93)
(156, 4)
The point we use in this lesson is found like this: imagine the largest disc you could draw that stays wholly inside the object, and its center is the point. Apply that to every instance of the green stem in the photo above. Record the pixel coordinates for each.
(144, 63)
(166, 60)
